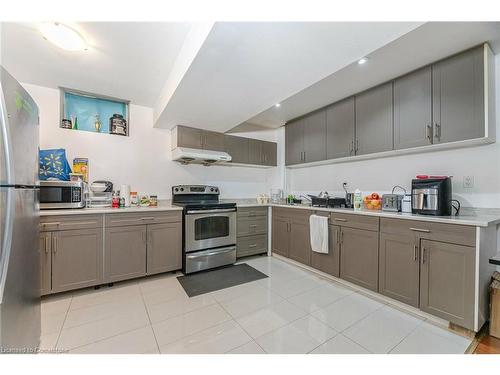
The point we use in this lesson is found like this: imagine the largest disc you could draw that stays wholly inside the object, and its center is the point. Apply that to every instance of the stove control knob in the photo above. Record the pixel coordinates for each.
(176, 189)
(216, 190)
(182, 189)
(211, 189)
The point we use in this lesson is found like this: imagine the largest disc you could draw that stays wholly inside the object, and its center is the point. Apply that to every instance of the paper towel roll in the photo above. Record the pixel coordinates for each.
(125, 193)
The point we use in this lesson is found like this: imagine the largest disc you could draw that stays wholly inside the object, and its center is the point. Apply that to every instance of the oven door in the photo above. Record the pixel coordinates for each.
(205, 229)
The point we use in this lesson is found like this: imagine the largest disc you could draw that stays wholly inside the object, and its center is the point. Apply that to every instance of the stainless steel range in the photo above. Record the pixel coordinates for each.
(209, 238)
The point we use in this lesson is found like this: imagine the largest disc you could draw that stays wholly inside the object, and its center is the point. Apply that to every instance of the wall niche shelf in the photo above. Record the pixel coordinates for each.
(94, 113)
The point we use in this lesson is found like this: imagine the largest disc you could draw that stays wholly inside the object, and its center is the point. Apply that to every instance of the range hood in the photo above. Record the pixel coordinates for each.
(185, 155)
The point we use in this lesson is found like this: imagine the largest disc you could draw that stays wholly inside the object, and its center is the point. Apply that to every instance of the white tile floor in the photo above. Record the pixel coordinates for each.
(292, 311)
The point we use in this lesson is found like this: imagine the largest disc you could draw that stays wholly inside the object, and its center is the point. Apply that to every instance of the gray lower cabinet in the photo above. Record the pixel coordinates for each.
(280, 241)
(300, 243)
(45, 247)
(164, 247)
(329, 263)
(413, 109)
(399, 267)
(447, 281)
(76, 259)
(252, 228)
(125, 252)
(359, 257)
(458, 97)
(238, 148)
(374, 126)
(340, 129)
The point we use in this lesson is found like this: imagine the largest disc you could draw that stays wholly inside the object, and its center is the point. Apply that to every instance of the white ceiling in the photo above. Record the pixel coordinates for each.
(426, 44)
(243, 68)
(128, 60)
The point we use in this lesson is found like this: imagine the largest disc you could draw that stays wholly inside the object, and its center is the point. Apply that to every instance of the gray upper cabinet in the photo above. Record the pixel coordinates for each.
(340, 129)
(294, 142)
(164, 250)
(314, 134)
(237, 147)
(458, 97)
(213, 141)
(125, 252)
(76, 258)
(269, 153)
(254, 151)
(374, 120)
(447, 281)
(413, 109)
(188, 137)
(185, 136)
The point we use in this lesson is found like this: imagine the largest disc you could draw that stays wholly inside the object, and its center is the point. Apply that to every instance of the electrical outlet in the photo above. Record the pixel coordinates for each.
(468, 182)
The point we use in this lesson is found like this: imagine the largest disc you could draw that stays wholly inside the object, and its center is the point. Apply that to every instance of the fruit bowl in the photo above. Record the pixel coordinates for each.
(373, 204)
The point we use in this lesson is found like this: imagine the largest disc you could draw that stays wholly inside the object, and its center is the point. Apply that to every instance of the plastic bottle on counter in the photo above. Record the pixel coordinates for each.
(115, 202)
(358, 200)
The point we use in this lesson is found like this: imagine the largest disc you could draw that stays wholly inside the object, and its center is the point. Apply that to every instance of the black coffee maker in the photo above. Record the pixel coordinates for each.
(431, 196)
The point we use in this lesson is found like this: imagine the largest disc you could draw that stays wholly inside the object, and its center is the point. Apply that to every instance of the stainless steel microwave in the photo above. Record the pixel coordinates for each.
(62, 194)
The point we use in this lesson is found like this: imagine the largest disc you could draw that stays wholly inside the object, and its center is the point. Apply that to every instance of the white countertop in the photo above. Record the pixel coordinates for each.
(480, 217)
(162, 206)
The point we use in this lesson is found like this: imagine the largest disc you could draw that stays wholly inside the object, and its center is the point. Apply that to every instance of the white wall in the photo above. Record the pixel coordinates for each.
(143, 159)
(380, 175)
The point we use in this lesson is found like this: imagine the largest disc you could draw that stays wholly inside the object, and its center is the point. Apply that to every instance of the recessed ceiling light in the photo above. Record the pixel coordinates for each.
(363, 60)
(63, 36)
(277, 105)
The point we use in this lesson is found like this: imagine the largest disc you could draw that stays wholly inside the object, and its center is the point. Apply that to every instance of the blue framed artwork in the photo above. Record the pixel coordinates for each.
(93, 113)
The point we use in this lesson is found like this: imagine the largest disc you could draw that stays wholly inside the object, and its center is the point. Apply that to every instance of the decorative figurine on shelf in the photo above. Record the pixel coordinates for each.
(97, 124)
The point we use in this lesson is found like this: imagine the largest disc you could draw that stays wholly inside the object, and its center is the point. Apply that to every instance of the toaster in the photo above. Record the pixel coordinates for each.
(392, 202)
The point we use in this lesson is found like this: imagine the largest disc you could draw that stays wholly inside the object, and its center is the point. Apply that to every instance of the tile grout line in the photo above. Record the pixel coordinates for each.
(404, 338)
(149, 318)
(64, 321)
(243, 329)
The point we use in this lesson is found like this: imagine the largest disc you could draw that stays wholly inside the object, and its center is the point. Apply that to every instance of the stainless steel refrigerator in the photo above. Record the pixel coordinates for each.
(19, 254)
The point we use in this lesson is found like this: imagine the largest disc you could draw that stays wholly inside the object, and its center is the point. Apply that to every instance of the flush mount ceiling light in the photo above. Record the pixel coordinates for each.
(363, 60)
(63, 36)
(277, 105)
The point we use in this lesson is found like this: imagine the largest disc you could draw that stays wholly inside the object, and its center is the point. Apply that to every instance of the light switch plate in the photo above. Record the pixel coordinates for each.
(468, 182)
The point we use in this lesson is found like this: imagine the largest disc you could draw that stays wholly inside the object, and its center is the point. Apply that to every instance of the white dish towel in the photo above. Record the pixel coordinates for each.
(319, 233)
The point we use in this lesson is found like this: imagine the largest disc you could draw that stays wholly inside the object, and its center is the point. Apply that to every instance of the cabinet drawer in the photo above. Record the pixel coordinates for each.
(297, 215)
(252, 211)
(355, 221)
(251, 245)
(137, 218)
(452, 233)
(70, 222)
(250, 226)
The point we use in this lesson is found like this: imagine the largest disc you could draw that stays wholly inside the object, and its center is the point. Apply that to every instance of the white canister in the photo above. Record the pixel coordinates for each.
(125, 194)
(406, 204)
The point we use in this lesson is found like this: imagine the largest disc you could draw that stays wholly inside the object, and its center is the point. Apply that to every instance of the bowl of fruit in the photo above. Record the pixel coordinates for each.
(373, 202)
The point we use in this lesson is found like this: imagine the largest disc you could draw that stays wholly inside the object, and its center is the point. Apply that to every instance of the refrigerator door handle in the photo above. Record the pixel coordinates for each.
(10, 204)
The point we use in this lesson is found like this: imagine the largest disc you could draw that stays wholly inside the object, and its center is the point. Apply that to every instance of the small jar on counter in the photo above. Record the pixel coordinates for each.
(134, 198)
(153, 200)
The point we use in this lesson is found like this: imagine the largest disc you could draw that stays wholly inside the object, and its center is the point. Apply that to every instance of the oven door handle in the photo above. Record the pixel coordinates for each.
(206, 254)
(210, 211)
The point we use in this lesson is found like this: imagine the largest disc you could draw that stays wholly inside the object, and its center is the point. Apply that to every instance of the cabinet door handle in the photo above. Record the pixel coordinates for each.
(252, 246)
(54, 244)
(53, 223)
(147, 218)
(201, 140)
(423, 255)
(437, 131)
(253, 225)
(47, 245)
(341, 236)
(337, 237)
(420, 230)
(415, 252)
(357, 146)
(339, 219)
(428, 132)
